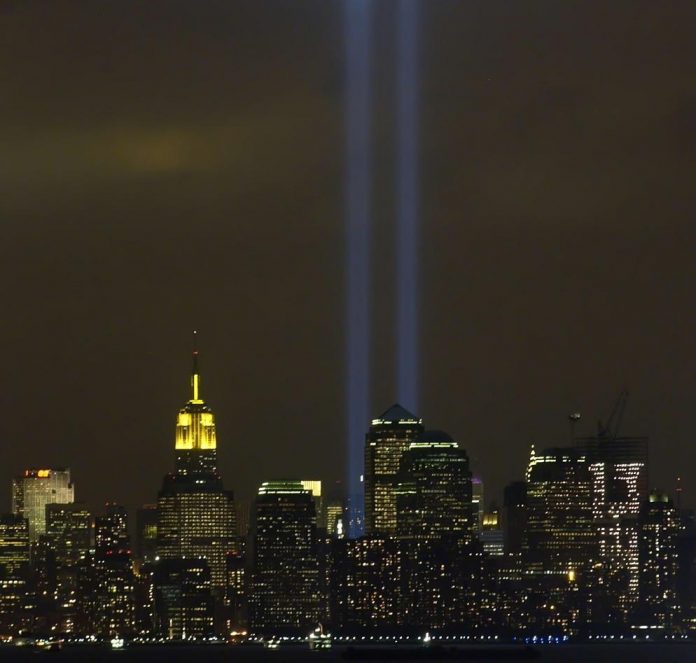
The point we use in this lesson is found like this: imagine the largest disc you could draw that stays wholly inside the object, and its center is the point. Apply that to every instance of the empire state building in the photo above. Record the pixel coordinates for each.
(196, 442)
(196, 517)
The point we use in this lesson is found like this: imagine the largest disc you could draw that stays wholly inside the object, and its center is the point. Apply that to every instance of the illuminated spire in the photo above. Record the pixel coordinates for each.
(195, 376)
(195, 425)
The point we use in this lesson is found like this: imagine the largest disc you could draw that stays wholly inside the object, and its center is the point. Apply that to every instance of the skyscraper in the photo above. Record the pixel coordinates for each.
(285, 583)
(365, 583)
(183, 602)
(514, 516)
(434, 491)
(196, 441)
(491, 534)
(659, 528)
(314, 486)
(15, 602)
(196, 517)
(388, 438)
(146, 533)
(70, 534)
(70, 530)
(619, 468)
(560, 542)
(435, 525)
(560, 539)
(115, 581)
(34, 489)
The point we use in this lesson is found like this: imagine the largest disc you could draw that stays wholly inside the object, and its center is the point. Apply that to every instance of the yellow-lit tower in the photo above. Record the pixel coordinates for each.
(195, 514)
(195, 432)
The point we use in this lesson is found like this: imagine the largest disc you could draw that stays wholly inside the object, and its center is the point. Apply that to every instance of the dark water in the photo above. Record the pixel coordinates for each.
(566, 653)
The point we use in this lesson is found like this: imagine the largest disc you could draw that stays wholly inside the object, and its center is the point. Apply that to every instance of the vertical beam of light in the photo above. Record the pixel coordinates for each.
(407, 281)
(357, 16)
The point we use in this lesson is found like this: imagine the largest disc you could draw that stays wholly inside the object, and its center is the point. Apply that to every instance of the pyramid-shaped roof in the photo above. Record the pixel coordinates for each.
(397, 413)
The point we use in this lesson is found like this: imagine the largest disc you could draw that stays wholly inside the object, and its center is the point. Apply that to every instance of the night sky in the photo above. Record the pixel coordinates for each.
(170, 166)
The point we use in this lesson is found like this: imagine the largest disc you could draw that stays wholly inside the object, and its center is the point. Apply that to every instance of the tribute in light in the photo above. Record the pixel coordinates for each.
(357, 224)
(407, 204)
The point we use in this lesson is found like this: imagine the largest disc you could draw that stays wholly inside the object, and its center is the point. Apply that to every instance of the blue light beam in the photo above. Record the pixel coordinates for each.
(358, 25)
(407, 201)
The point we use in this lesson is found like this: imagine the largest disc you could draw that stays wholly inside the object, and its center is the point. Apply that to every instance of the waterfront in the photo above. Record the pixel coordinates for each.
(682, 652)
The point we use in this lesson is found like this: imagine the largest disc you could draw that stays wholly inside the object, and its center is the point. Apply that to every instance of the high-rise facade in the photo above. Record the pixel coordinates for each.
(285, 583)
(389, 436)
(434, 490)
(183, 601)
(314, 485)
(491, 534)
(70, 530)
(514, 516)
(658, 530)
(15, 599)
(335, 512)
(560, 543)
(560, 538)
(34, 489)
(619, 468)
(435, 522)
(70, 535)
(196, 516)
(114, 581)
(365, 583)
(146, 533)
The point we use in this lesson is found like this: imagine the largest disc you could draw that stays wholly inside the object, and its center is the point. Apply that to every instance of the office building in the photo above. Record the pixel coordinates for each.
(434, 490)
(491, 534)
(658, 531)
(560, 543)
(70, 529)
(242, 510)
(514, 516)
(34, 489)
(183, 602)
(237, 593)
(335, 519)
(70, 534)
(387, 439)
(315, 487)
(196, 516)
(619, 468)
(560, 537)
(285, 584)
(146, 533)
(16, 602)
(365, 583)
(115, 580)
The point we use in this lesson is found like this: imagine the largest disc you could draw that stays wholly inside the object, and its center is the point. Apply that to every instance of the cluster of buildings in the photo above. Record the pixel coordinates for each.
(580, 547)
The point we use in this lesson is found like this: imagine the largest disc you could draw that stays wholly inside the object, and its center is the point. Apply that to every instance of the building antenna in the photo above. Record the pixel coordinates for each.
(195, 377)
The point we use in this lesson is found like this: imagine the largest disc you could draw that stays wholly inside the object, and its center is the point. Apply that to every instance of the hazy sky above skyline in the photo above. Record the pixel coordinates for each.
(174, 166)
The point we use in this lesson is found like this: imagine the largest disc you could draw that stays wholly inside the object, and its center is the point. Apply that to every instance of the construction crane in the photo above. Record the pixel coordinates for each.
(610, 430)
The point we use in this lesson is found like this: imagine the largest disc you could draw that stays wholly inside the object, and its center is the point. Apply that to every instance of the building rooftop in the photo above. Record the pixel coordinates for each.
(396, 414)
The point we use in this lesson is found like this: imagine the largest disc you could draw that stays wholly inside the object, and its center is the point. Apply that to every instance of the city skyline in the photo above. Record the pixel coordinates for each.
(337, 488)
(581, 548)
